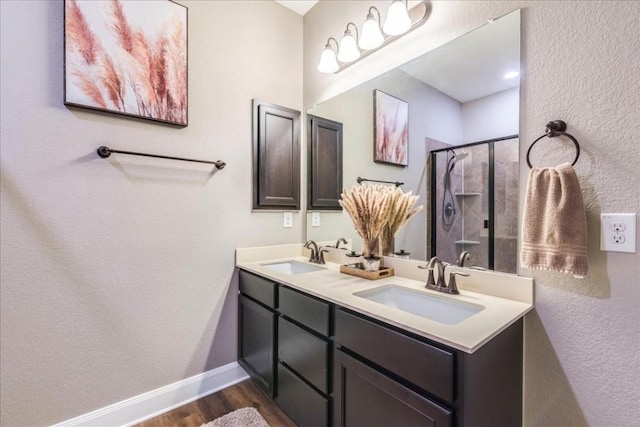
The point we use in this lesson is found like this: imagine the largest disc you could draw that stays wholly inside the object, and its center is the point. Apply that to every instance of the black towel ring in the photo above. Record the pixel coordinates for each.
(555, 128)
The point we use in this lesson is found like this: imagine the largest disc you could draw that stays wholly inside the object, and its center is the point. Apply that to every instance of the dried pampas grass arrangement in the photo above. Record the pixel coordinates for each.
(368, 207)
(378, 212)
(401, 209)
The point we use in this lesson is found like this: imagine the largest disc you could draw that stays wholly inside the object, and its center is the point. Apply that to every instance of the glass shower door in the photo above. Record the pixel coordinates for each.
(474, 203)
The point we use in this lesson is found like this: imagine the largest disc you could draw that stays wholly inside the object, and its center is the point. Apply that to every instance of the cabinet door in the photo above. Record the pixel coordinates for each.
(325, 163)
(276, 157)
(256, 342)
(365, 397)
(304, 405)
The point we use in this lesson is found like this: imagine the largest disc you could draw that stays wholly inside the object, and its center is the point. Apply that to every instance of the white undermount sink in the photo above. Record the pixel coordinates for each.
(293, 267)
(441, 309)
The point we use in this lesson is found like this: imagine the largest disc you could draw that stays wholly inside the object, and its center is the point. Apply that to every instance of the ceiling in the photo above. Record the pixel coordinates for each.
(469, 68)
(299, 6)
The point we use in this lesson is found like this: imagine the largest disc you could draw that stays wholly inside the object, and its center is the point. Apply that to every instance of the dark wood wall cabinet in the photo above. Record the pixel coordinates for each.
(325, 163)
(276, 157)
(328, 366)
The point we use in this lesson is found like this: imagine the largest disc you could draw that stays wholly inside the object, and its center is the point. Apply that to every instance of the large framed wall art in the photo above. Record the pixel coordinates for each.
(391, 129)
(127, 57)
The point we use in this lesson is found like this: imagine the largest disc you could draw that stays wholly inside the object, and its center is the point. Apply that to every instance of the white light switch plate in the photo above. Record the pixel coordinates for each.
(315, 219)
(618, 232)
(287, 220)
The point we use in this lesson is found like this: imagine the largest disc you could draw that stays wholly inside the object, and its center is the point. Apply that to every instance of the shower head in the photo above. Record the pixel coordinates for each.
(461, 156)
(455, 157)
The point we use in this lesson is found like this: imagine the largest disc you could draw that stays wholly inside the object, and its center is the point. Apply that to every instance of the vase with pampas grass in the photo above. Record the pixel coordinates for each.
(401, 209)
(378, 212)
(367, 206)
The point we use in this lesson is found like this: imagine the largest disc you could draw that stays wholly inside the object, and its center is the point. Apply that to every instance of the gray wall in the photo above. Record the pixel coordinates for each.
(582, 343)
(118, 276)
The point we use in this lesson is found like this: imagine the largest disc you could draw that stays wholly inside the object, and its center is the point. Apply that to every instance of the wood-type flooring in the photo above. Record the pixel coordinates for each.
(244, 394)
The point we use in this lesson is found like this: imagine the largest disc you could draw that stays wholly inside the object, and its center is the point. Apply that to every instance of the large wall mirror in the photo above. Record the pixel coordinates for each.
(463, 100)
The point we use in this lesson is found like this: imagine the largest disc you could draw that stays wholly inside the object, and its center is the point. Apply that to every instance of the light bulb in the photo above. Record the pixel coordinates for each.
(371, 36)
(348, 50)
(328, 63)
(398, 21)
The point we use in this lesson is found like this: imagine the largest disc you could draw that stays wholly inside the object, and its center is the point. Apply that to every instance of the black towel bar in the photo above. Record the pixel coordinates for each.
(396, 183)
(556, 128)
(105, 152)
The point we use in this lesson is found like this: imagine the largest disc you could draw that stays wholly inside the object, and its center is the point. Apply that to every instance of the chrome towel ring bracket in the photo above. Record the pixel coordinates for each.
(556, 128)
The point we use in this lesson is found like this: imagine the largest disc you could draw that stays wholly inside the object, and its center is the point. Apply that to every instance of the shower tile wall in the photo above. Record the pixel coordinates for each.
(507, 173)
(475, 208)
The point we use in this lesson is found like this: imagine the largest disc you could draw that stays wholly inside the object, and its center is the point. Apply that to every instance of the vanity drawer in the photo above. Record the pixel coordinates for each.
(305, 353)
(258, 288)
(304, 309)
(424, 365)
(304, 405)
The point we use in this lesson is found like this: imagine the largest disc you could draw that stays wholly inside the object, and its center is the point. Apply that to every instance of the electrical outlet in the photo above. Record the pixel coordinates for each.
(617, 227)
(618, 238)
(315, 219)
(287, 220)
(618, 232)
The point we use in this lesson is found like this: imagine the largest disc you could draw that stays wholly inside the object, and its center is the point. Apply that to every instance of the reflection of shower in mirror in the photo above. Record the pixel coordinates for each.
(448, 200)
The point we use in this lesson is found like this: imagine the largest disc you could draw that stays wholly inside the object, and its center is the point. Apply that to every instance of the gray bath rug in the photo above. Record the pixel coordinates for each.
(245, 417)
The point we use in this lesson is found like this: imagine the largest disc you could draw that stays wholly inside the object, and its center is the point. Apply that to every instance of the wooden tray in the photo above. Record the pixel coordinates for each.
(356, 270)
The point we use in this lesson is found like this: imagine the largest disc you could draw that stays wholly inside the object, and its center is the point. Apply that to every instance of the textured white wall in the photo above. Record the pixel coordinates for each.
(579, 63)
(117, 276)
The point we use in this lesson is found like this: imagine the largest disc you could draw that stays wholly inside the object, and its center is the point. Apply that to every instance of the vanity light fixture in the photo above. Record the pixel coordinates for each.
(348, 50)
(328, 62)
(398, 21)
(352, 49)
(371, 36)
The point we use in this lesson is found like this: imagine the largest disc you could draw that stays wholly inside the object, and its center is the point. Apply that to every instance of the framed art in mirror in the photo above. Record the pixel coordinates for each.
(391, 129)
(325, 163)
(127, 58)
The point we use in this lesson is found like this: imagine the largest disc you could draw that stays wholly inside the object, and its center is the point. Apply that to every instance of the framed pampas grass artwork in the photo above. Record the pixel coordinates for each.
(127, 57)
(391, 129)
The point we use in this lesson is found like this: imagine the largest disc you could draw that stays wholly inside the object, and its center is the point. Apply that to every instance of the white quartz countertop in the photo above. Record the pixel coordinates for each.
(470, 334)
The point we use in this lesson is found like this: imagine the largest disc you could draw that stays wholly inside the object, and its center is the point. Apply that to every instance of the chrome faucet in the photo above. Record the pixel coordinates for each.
(441, 285)
(317, 254)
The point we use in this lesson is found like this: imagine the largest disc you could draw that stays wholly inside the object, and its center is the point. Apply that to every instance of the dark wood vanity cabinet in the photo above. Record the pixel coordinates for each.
(387, 376)
(366, 397)
(329, 366)
(257, 322)
(304, 358)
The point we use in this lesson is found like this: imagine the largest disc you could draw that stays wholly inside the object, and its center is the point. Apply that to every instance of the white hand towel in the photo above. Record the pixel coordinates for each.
(554, 224)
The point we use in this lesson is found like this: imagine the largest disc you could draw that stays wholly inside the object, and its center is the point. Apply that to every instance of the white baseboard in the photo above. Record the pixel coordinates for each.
(161, 400)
